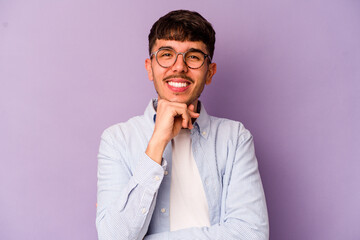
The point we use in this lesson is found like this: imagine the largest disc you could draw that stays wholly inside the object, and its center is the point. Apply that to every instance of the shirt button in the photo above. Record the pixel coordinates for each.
(157, 178)
(166, 173)
(163, 210)
(143, 210)
(204, 133)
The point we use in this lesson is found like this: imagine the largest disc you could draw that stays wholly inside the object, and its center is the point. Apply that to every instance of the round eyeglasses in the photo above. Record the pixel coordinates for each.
(193, 58)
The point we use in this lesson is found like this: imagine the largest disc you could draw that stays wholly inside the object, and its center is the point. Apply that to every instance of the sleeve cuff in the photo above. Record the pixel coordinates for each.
(148, 173)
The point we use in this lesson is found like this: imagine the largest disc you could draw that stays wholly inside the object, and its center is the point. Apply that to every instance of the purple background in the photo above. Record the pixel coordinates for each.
(289, 70)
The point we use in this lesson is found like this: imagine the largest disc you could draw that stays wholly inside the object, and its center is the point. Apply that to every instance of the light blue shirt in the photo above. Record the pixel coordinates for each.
(134, 191)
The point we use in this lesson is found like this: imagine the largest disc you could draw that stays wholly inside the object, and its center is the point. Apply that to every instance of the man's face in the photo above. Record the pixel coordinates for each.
(178, 83)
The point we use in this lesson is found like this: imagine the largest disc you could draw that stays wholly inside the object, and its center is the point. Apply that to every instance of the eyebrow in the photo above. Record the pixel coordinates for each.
(196, 50)
(191, 49)
(165, 47)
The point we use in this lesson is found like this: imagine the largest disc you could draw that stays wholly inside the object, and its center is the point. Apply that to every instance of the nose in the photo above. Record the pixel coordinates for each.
(180, 65)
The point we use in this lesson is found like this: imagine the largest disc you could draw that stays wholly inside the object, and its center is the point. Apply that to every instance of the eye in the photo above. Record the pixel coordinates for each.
(194, 56)
(166, 53)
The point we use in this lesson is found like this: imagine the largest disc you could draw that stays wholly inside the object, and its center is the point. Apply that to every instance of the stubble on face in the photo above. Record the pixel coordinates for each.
(196, 78)
(179, 76)
(183, 76)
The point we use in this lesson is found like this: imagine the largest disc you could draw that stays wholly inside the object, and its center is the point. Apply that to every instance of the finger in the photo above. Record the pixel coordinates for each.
(186, 113)
(191, 107)
(186, 120)
(177, 125)
(190, 125)
(191, 111)
(194, 114)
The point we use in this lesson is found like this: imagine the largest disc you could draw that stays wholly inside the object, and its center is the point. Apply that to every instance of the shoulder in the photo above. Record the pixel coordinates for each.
(120, 130)
(231, 129)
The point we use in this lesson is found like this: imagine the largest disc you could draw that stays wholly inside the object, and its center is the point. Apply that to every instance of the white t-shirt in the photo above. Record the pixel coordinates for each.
(188, 204)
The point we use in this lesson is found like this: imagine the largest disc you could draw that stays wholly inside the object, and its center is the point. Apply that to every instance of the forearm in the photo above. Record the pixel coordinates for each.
(126, 197)
(155, 149)
(128, 217)
(232, 229)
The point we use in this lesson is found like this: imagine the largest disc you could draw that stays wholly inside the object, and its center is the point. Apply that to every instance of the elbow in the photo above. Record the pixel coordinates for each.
(239, 229)
(108, 229)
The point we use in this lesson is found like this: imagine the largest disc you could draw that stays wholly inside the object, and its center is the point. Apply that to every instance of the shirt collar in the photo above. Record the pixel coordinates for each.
(150, 113)
(201, 125)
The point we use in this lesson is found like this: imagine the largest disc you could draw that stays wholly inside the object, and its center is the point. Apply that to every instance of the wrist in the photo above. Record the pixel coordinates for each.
(155, 149)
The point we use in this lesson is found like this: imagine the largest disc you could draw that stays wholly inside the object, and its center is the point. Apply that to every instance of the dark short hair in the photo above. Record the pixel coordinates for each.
(183, 25)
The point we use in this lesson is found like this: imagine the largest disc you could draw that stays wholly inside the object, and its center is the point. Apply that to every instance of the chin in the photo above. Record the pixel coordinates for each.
(187, 102)
(178, 99)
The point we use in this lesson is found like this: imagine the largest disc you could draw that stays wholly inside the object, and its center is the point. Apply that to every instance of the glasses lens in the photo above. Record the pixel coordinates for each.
(194, 59)
(166, 57)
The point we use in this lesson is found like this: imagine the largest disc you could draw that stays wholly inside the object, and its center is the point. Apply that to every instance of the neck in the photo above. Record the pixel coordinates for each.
(196, 104)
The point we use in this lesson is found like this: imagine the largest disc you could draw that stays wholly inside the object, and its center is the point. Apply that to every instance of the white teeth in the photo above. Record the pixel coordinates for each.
(177, 84)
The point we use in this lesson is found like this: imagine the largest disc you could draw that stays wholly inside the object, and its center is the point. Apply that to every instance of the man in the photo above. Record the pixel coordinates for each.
(176, 172)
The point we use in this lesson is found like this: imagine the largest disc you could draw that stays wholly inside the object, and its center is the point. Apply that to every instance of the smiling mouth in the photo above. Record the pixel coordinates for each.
(178, 84)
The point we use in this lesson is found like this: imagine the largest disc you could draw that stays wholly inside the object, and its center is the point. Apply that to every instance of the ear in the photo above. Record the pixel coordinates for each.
(210, 73)
(149, 69)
